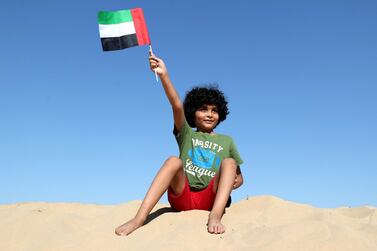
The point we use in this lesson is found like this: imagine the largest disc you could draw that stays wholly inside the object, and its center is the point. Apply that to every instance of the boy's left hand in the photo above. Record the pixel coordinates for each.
(235, 182)
(238, 181)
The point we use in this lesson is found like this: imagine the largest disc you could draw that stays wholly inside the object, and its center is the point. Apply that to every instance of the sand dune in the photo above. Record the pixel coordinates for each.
(259, 223)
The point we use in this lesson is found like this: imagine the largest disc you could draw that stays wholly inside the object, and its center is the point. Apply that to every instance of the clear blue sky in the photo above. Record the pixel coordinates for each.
(81, 125)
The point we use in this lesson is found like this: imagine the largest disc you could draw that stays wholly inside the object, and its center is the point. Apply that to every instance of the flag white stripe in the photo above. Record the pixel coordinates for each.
(116, 30)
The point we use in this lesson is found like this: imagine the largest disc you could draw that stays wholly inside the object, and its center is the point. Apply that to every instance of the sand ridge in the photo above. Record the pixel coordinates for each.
(259, 223)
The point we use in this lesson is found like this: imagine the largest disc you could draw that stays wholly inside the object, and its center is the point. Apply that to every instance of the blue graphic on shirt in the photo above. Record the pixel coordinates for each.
(202, 157)
(217, 164)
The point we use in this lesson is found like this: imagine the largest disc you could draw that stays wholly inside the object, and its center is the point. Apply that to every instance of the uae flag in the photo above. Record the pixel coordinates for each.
(122, 29)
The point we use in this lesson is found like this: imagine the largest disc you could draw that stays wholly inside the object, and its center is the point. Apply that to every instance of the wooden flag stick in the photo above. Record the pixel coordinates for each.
(155, 73)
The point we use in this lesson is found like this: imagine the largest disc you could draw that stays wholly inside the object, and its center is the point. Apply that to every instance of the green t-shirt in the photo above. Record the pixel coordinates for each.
(202, 153)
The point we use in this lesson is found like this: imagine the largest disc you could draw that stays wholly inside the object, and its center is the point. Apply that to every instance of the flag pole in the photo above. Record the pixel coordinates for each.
(155, 73)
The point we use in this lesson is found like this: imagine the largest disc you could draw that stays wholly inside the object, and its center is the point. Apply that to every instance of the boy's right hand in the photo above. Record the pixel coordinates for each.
(157, 65)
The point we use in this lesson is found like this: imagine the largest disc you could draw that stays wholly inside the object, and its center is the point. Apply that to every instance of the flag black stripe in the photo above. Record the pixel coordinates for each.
(119, 43)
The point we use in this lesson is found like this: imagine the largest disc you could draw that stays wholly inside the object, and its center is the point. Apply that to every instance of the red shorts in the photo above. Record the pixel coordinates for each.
(189, 200)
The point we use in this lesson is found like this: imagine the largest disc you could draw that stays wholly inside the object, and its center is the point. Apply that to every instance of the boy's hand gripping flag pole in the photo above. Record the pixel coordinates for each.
(123, 29)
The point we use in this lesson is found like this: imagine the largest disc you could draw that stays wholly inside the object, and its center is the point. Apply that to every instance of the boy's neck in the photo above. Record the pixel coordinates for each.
(209, 132)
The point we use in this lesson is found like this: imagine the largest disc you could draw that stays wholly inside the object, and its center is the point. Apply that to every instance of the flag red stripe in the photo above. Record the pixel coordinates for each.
(140, 26)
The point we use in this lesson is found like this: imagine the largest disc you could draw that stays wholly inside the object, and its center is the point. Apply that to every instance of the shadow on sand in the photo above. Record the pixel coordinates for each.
(158, 213)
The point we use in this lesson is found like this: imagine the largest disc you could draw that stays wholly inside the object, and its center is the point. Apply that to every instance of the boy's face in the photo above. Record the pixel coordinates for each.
(206, 118)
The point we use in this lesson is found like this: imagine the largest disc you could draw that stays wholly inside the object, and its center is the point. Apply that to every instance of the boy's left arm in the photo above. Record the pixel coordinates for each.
(238, 181)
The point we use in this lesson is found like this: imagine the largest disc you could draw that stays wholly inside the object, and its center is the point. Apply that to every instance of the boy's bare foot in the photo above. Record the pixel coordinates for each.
(128, 227)
(214, 225)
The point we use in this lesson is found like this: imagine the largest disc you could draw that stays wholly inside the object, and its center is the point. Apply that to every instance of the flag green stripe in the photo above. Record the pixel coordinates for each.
(114, 17)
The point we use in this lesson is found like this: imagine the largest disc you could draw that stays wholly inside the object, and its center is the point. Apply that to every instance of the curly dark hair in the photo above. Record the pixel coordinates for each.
(205, 95)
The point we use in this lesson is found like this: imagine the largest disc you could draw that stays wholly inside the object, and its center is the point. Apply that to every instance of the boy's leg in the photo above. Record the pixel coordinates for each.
(223, 186)
(171, 174)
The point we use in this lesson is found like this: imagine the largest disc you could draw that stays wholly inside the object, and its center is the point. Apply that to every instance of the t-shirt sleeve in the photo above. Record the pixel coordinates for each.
(234, 153)
(181, 135)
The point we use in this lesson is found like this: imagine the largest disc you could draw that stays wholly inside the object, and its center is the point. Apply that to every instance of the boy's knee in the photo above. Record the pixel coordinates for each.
(175, 161)
(229, 162)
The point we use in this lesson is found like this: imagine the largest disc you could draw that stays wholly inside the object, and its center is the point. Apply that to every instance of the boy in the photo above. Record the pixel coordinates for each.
(208, 168)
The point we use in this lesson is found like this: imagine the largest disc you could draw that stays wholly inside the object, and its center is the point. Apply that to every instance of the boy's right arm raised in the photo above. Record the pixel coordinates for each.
(157, 65)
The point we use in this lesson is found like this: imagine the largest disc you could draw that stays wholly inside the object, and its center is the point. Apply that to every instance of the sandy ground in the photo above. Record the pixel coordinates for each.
(259, 223)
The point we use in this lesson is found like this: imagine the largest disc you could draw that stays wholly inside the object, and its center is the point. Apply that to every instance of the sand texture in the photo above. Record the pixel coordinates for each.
(260, 223)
